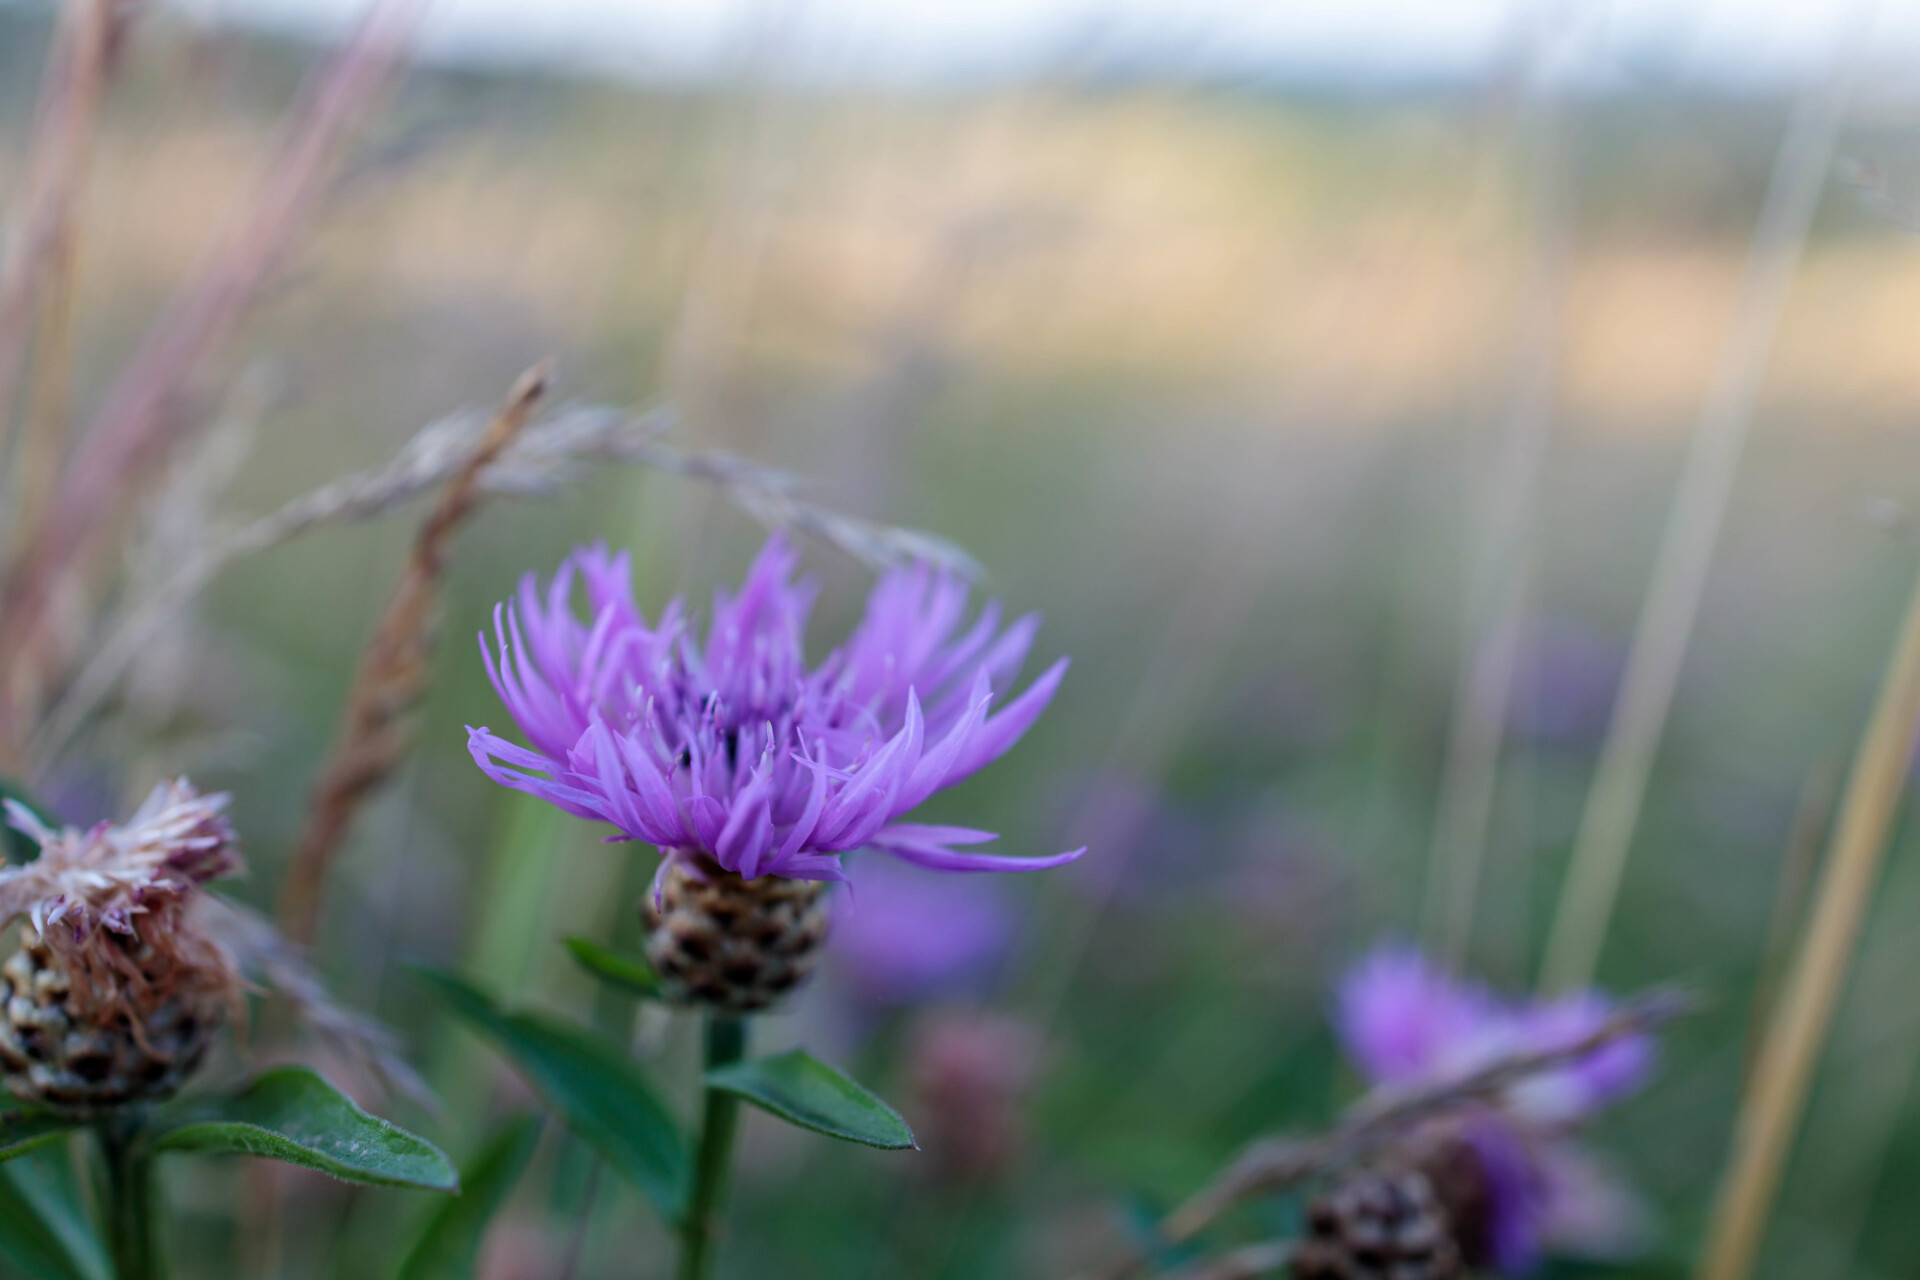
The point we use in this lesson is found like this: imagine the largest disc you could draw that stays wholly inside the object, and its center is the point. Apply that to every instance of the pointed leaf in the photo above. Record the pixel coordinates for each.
(43, 1230)
(24, 1131)
(802, 1090)
(18, 846)
(448, 1247)
(293, 1115)
(630, 973)
(588, 1083)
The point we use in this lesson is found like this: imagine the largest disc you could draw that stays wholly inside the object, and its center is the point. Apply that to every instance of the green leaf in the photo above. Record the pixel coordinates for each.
(291, 1114)
(447, 1248)
(802, 1090)
(24, 1131)
(630, 973)
(43, 1230)
(591, 1085)
(20, 846)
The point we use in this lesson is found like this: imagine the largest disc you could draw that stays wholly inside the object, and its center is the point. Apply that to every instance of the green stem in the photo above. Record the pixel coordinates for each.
(127, 1200)
(726, 1043)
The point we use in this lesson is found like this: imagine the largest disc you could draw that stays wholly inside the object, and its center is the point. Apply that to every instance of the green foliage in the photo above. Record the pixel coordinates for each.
(293, 1115)
(588, 1083)
(25, 1130)
(802, 1090)
(631, 974)
(43, 1230)
(18, 847)
(450, 1243)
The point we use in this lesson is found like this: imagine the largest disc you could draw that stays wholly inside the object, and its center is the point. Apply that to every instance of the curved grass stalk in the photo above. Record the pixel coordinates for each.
(1776, 1097)
(1687, 547)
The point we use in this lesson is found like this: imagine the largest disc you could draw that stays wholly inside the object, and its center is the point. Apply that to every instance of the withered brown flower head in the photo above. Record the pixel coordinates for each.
(110, 877)
(120, 982)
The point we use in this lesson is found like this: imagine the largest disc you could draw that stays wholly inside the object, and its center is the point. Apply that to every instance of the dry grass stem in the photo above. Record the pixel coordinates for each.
(1382, 1118)
(393, 672)
(1776, 1097)
(1805, 839)
(1484, 689)
(143, 414)
(39, 251)
(542, 460)
(1686, 550)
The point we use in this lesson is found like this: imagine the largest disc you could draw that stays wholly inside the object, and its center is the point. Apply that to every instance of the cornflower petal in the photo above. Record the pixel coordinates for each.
(997, 736)
(927, 847)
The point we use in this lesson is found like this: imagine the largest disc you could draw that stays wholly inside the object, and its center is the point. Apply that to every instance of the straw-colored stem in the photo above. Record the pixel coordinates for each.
(1776, 1098)
(392, 673)
(1805, 839)
(40, 247)
(141, 417)
(1484, 689)
(45, 431)
(1686, 549)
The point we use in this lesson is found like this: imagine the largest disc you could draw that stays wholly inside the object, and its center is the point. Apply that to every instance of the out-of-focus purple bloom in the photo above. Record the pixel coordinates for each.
(731, 750)
(1404, 1022)
(904, 934)
(1565, 681)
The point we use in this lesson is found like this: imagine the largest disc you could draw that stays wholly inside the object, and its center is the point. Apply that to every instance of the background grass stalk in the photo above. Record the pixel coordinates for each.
(1776, 1098)
(1686, 548)
(1484, 689)
(726, 1043)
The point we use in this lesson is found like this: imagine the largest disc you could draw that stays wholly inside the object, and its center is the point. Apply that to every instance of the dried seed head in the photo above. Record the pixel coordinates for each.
(118, 985)
(83, 1048)
(732, 944)
(1378, 1225)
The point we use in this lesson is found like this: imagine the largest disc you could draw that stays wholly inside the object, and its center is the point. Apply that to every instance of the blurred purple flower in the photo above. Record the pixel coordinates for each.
(1403, 1022)
(904, 935)
(1565, 681)
(733, 752)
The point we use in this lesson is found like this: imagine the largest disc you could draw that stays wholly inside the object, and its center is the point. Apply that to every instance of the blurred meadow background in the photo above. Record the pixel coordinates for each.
(1287, 398)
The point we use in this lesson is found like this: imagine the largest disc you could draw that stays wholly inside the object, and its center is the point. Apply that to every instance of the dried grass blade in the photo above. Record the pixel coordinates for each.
(142, 416)
(1687, 546)
(392, 673)
(1776, 1096)
(56, 170)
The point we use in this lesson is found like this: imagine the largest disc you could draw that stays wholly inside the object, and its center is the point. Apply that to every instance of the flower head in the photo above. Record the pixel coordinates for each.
(120, 981)
(1405, 1022)
(118, 879)
(730, 749)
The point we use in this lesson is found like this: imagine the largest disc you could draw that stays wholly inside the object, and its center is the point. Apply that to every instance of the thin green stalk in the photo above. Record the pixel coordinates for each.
(127, 1200)
(726, 1043)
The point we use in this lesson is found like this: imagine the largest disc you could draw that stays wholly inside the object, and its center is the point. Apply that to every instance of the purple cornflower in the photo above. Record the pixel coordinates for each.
(731, 750)
(1404, 1022)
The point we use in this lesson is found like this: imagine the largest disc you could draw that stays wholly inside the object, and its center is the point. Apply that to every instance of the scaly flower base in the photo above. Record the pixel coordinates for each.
(137, 1043)
(732, 945)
